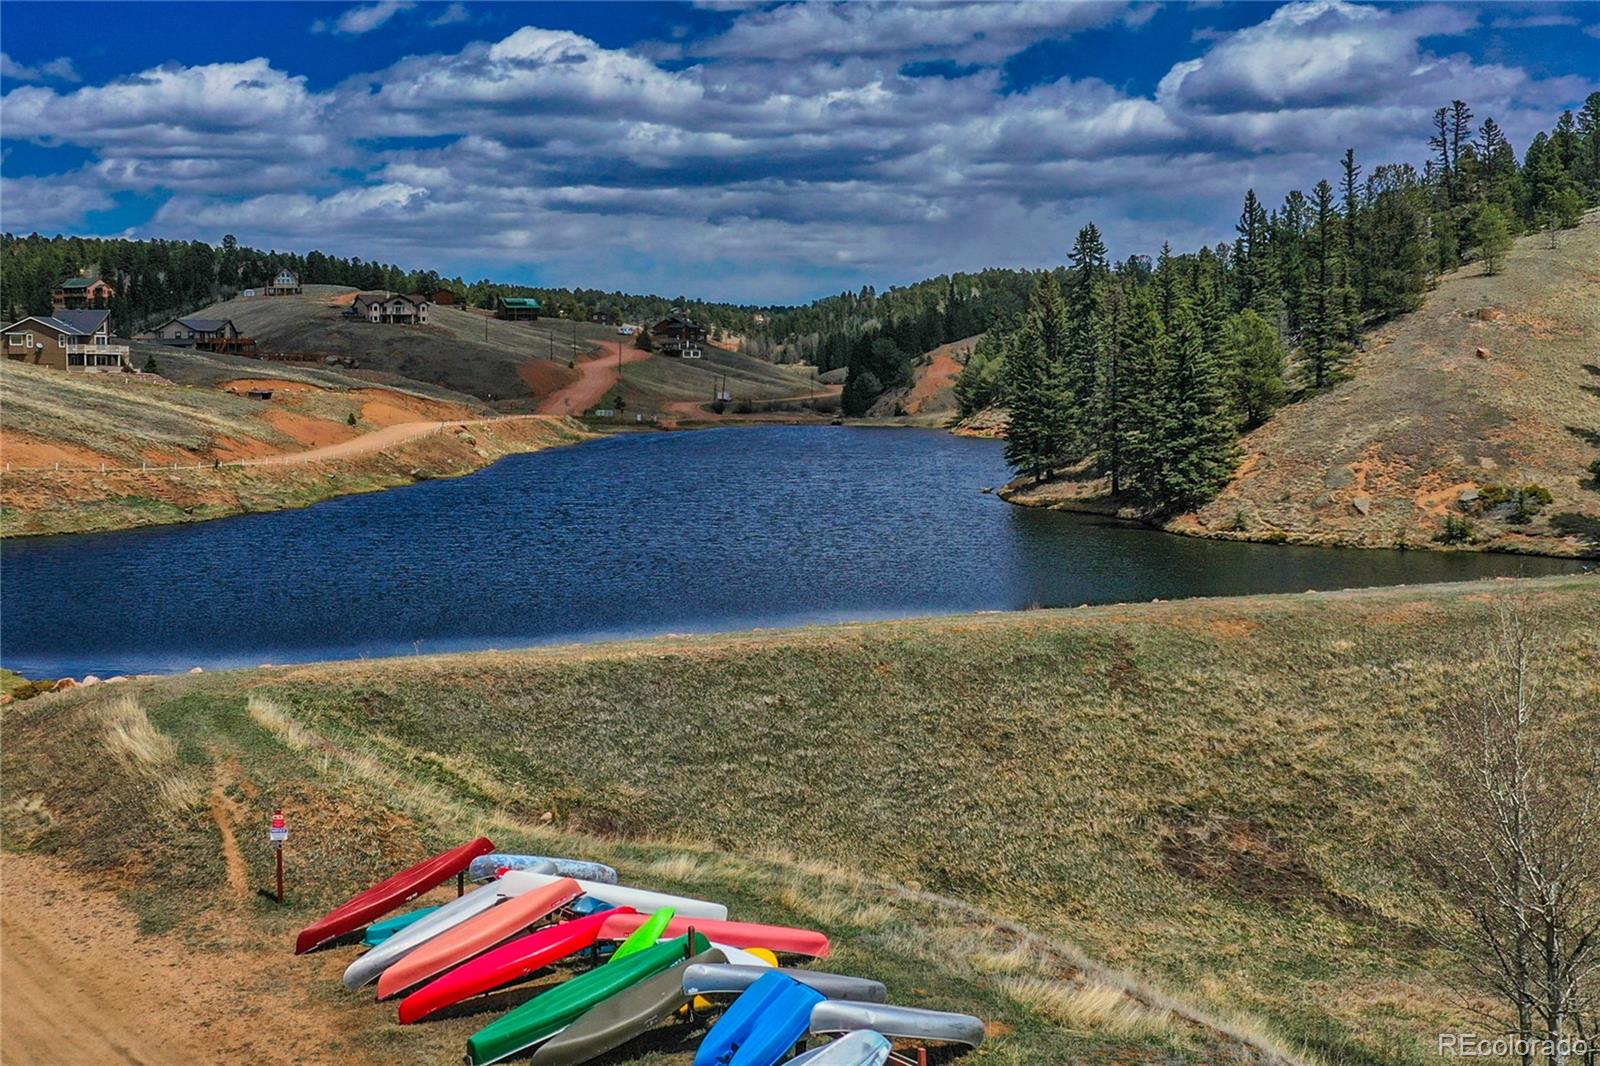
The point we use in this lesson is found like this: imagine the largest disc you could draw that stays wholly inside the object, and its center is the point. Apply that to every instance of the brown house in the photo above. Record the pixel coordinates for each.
(207, 334)
(392, 308)
(77, 294)
(517, 308)
(679, 336)
(67, 340)
(445, 297)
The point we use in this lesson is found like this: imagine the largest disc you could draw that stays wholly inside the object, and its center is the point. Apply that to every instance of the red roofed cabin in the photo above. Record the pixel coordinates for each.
(679, 336)
(78, 294)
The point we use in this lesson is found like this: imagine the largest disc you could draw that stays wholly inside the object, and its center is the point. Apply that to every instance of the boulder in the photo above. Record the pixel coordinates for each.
(1362, 503)
(1482, 353)
(89, 680)
(118, 679)
(64, 684)
(197, 669)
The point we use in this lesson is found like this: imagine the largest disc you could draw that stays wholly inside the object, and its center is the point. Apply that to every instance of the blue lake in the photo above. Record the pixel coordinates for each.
(633, 535)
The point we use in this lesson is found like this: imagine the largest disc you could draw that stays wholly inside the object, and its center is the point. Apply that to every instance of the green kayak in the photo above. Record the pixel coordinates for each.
(378, 932)
(549, 1012)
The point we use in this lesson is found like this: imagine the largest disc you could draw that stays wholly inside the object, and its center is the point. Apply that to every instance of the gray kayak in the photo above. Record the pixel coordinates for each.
(486, 867)
(615, 1021)
(713, 980)
(864, 1047)
(898, 1023)
(369, 966)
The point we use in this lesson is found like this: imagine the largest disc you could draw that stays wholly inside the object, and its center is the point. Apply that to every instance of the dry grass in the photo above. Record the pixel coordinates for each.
(148, 753)
(1086, 1006)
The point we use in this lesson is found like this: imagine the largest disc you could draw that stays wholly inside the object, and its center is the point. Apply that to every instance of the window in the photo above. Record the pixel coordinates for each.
(75, 359)
(61, 340)
(17, 340)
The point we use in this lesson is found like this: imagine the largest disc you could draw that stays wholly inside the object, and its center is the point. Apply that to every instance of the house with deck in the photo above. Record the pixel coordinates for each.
(517, 308)
(284, 283)
(66, 340)
(78, 294)
(392, 307)
(206, 334)
(679, 336)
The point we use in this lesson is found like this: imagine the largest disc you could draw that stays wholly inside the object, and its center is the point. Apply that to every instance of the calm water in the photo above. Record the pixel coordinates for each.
(643, 534)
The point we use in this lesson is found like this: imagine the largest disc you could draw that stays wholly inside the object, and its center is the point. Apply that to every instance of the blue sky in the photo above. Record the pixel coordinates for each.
(764, 153)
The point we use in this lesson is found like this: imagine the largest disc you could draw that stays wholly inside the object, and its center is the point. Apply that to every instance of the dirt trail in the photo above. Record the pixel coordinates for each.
(81, 986)
(595, 377)
(377, 440)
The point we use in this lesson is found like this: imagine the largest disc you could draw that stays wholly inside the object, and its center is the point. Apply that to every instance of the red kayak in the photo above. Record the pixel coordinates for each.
(779, 938)
(385, 896)
(507, 963)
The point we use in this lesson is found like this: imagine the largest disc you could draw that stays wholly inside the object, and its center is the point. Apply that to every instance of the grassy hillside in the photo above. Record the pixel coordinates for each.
(1209, 796)
(1494, 381)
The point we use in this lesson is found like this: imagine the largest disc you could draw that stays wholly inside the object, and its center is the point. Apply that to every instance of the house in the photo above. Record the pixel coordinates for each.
(392, 307)
(445, 297)
(679, 336)
(517, 308)
(77, 294)
(604, 318)
(67, 340)
(285, 283)
(207, 334)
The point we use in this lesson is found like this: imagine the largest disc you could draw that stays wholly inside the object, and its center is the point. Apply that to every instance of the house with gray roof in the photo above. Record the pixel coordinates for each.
(65, 340)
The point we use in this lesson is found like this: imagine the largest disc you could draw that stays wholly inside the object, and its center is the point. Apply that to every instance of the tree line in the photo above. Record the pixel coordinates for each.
(1146, 373)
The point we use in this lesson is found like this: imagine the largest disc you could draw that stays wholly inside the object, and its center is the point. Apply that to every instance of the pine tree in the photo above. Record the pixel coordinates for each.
(1354, 282)
(1325, 302)
(1112, 388)
(1039, 429)
(1492, 237)
(1085, 328)
(1256, 360)
(1139, 398)
(1251, 263)
(1193, 452)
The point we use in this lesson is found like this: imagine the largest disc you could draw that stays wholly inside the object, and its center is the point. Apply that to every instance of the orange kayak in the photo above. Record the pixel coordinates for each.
(782, 939)
(477, 935)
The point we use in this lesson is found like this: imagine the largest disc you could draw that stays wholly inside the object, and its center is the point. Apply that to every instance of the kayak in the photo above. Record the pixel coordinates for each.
(476, 935)
(779, 938)
(378, 932)
(898, 1023)
(390, 893)
(864, 1047)
(621, 1018)
(367, 967)
(767, 1019)
(488, 867)
(647, 932)
(721, 980)
(549, 1012)
(642, 900)
(741, 957)
(511, 961)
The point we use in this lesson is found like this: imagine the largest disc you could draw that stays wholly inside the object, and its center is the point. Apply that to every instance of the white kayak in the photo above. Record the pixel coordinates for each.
(711, 979)
(899, 1023)
(640, 899)
(369, 966)
(863, 1047)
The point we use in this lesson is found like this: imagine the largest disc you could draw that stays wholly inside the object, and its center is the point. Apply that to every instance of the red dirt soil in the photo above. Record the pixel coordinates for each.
(595, 377)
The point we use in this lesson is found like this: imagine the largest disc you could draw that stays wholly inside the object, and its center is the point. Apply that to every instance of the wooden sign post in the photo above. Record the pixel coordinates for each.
(278, 833)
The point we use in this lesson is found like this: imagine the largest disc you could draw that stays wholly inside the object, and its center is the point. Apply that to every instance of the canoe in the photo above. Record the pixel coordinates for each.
(487, 867)
(586, 905)
(642, 900)
(760, 1027)
(741, 957)
(390, 893)
(511, 961)
(621, 1018)
(476, 935)
(549, 1012)
(864, 1047)
(780, 938)
(646, 933)
(378, 932)
(367, 967)
(722, 980)
(897, 1023)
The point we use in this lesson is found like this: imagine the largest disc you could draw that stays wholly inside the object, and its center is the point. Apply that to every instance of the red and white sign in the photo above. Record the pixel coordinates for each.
(278, 832)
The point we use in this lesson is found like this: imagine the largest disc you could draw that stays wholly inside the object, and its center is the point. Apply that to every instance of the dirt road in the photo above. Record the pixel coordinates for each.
(595, 377)
(81, 986)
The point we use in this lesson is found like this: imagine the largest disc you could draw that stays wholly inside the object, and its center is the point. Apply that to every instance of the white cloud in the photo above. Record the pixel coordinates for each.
(48, 205)
(60, 69)
(359, 20)
(452, 13)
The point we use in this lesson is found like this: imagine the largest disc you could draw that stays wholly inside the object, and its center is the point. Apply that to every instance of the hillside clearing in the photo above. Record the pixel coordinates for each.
(1208, 796)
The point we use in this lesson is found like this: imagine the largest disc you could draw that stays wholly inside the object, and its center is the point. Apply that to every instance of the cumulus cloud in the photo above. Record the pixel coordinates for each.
(50, 204)
(60, 69)
(797, 150)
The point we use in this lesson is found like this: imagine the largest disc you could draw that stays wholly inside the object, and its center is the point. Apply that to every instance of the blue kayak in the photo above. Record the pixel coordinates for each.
(378, 932)
(762, 1025)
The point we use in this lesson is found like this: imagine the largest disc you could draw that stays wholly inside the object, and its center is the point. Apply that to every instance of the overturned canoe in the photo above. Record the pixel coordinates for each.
(898, 1023)
(476, 935)
(726, 979)
(378, 932)
(642, 900)
(864, 1047)
(488, 867)
(762, 1025)
(780, 938)
(549, 1012)
(621, 1018)
(511, 961)
(367, 967)
(390, 893)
